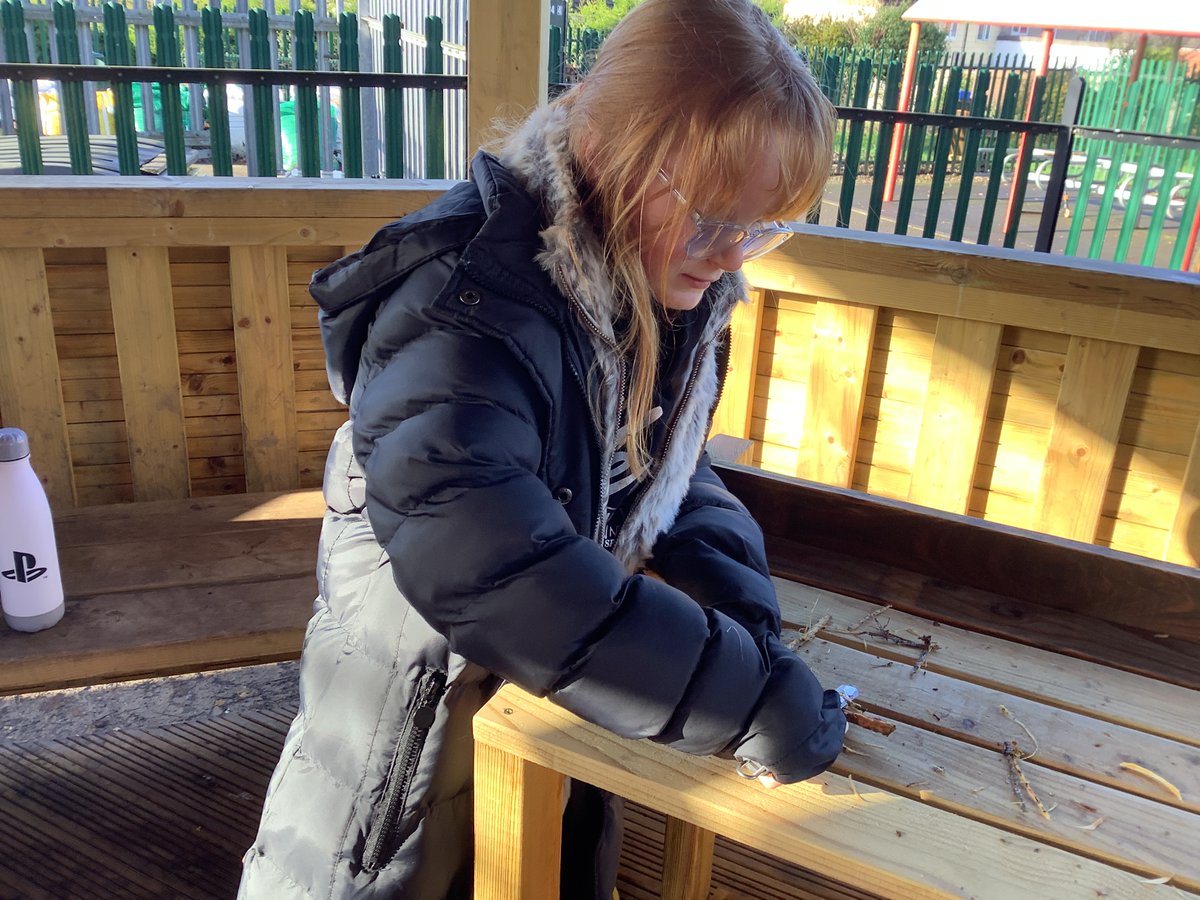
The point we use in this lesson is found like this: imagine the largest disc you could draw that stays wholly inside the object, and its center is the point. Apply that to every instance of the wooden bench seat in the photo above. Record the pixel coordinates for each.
(928, 811)
(173, 586)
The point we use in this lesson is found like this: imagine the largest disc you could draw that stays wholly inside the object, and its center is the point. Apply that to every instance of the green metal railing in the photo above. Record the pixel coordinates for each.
(156, 90)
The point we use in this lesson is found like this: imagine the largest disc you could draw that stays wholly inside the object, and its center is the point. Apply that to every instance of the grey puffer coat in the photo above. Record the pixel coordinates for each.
(468, 539)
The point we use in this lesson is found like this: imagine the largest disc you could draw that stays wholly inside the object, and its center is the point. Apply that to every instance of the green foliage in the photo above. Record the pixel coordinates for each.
(826, 32)
(888, 31)
(600, 14)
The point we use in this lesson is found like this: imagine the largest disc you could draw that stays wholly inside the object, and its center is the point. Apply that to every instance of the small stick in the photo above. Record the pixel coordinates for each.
(870, 723)
(920, 663)
(1018, 780)
(803, 637)
(867, 618)
(884, 635)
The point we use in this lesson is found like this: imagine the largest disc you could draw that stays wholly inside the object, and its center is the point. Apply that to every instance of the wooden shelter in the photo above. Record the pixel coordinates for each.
(935, 400)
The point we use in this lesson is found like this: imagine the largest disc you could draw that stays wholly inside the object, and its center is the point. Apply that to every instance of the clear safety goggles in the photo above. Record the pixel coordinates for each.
(712, 238)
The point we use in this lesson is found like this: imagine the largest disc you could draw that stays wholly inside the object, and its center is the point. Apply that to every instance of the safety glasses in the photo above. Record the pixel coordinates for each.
(712, 238)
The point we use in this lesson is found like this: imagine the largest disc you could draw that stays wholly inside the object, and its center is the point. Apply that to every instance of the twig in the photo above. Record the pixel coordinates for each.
(1016, 778)
(1005, 712)
(867, 618)
(798, 639)
(857, 717)
(929, 645)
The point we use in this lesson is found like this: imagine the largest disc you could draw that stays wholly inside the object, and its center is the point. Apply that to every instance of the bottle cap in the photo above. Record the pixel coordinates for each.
(13, 444)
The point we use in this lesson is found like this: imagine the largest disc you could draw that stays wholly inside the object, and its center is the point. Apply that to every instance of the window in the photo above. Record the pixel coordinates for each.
(1020, 30)
(985, 32)
(952, 29)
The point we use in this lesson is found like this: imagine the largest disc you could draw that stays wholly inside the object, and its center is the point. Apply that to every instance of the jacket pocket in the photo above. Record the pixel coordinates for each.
(383, 840)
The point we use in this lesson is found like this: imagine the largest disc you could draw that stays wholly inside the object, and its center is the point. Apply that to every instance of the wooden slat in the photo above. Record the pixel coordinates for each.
(518, 807)
(1134, 833)
(841, 351)
(144, 320)
(1184, 542)
(900, 848)
(1123, 698)
(1087, 421)
(956, 402)
(1089, 298)
(264, 349)
(158, 632)
(733, 413)
(30, 387)
(106, 197)
(1153, 596)
(218, 231)
(1069, 742)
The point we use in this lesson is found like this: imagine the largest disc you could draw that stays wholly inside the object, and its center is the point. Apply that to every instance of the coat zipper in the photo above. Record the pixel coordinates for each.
(606, 451)
(382, 841)
(644, 488)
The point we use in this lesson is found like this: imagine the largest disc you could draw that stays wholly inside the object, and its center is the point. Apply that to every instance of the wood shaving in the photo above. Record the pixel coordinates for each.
(850, 779)
(1155, 777)
(1091, 827)
(1163, 880)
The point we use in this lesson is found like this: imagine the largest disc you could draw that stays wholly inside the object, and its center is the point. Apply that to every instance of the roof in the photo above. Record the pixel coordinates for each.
(1148, 17)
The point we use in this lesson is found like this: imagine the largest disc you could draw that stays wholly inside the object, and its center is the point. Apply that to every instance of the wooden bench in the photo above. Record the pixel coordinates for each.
(1106, 729)
(174, 586)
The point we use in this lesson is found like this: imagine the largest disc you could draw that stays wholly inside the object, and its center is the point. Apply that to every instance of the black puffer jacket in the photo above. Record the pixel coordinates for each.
(469, 539)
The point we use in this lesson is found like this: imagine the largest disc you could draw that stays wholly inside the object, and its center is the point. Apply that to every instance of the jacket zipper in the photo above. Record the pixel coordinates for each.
(645, 486)
(606, 451)
(382, 841)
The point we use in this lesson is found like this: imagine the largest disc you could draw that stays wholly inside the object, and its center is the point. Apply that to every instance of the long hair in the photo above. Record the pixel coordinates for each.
(707, 85)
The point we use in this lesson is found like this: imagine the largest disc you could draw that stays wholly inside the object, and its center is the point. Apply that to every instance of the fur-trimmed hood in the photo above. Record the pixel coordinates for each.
(537, 154)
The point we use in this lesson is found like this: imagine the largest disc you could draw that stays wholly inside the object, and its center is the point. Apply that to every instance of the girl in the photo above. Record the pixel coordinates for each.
(521, 493)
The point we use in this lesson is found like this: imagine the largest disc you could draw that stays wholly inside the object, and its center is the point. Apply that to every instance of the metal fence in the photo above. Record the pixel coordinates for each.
(148, 89)
(361, 130)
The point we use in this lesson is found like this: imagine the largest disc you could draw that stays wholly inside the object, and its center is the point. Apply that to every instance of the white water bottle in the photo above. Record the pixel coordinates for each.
(31, 590)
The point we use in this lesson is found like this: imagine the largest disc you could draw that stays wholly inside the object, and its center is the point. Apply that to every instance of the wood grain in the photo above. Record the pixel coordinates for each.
(30, 383)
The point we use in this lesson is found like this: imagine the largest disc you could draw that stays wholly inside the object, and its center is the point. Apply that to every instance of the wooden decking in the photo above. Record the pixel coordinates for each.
(168, 812)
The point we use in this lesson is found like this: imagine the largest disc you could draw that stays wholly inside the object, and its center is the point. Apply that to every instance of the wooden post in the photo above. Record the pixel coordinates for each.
(837, 385)
(508, 51)
(910, 66)
(139, 281)
(518, 827)
(687, 860)
(737, 398)
(1083, 438)
(956, 401)
(266, 387)
(1183, 545)
(30, 387)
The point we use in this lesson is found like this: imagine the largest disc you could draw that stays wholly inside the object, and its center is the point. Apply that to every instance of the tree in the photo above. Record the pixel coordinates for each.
(887, 30)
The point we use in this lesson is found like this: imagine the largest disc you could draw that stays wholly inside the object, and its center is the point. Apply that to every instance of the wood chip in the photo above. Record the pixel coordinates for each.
(1153, 776)
(850, 779)
(862, 720)
(1163, 880)
(1091, 827)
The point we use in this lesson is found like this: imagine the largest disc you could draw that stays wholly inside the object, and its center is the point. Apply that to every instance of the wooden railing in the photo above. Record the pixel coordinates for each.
(159, 342)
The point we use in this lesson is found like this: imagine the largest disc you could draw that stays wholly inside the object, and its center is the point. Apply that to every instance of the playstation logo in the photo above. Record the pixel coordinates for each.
(25, 568)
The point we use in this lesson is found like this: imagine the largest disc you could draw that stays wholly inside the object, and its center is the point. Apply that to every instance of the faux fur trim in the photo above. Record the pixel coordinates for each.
(573, 257)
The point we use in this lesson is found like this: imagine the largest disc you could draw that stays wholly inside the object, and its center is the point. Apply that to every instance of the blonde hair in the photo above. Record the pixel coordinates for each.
(707, 85)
